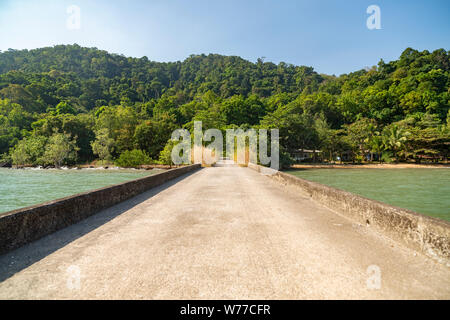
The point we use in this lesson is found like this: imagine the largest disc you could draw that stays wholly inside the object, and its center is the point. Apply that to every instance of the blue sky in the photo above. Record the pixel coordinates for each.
(330, 36)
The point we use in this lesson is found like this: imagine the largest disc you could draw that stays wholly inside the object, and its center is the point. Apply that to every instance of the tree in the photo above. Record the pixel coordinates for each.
(239, 110)
(394, 139)
(14, 124)
(332, 143)
(165, 157)
(121, 122)
(133, 158)
(296, 129)
(79, 91)
(64, 108)
(18, 94)
(60, 149)
(19, 155)
(428, 137)
(103, 146)
(359, 132)
(152, 135)
(376, 145)
(213, 117)
(28, 150)
(428, 143)
(80, 126)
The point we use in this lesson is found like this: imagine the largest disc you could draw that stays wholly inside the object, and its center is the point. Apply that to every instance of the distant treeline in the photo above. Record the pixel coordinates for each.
(68, 104)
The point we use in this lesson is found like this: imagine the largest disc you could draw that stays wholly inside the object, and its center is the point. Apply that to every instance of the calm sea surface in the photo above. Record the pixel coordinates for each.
(425, 191)
(422, 190)
(25, 187)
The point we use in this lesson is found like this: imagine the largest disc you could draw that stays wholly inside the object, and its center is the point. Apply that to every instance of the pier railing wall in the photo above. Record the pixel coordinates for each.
(22, 226)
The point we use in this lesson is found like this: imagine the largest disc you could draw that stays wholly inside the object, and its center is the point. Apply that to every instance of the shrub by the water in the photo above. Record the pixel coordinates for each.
(387, 157)
(285, 159)
(133, 158)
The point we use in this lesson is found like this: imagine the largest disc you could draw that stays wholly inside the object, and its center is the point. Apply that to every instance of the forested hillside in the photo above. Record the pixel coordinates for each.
(69, 104)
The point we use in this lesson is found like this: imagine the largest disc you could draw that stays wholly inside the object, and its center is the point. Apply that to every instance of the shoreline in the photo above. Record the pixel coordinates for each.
(292, 167)
(92, 167)
(371, 166)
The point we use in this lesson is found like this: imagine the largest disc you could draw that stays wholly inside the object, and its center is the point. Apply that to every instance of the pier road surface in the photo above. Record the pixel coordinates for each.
(220, 233)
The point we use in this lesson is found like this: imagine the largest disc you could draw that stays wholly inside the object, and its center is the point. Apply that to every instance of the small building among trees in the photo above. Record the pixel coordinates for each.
(305, 155)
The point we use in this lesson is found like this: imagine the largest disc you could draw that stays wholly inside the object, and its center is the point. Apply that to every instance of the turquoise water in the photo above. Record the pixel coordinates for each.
(426, 191)
(26, 187)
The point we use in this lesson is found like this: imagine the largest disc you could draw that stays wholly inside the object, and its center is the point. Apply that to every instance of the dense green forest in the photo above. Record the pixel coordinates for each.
(68, 104)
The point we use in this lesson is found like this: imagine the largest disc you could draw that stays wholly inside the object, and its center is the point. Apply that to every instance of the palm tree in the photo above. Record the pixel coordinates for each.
(376, 145)
(394, 139)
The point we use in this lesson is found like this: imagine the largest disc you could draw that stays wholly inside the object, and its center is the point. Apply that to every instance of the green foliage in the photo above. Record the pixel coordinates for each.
(60, 149)
(165, 156)
(376, 144)
(394, 139)
(114, 104)
(133, 158)
(103, 145)
(28, 151)
(151, 135)
(121, 122)
(239, 110)
(359, 133)
(295, 128)
(80, 126)
(427, 137)
(64, 108)
(285, 159)
(14, 124)
(387, 157)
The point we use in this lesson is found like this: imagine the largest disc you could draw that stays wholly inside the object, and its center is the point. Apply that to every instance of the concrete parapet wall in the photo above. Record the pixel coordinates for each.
(428, 235)
(25, 225)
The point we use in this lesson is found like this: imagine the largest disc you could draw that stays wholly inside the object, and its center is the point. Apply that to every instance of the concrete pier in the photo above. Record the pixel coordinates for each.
(221, 232)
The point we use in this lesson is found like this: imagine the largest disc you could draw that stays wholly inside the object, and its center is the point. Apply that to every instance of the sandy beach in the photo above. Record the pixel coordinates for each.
(372, 166)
